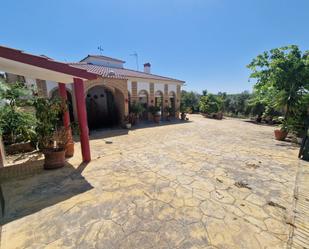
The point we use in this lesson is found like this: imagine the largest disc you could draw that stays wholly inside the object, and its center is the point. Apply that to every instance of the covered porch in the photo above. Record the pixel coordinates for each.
(43, 68)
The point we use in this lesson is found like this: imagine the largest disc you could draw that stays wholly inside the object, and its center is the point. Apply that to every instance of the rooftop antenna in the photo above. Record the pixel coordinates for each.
(100, 49)
(136, 59)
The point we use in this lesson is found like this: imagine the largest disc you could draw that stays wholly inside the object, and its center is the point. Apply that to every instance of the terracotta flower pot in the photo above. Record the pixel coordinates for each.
(280, 134)
(157, 118)
(54, 159)
(69, 149)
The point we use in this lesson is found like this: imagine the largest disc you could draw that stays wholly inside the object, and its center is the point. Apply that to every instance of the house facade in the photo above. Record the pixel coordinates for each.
(108, 98)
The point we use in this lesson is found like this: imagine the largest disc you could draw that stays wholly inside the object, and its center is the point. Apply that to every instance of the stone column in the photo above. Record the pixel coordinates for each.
(134, 96)
(151, 98)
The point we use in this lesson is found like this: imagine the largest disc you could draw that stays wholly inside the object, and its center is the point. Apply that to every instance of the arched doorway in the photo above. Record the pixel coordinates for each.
(102, 110)
(55, 95)
(143, 100)
(159, 100)
(172, 102)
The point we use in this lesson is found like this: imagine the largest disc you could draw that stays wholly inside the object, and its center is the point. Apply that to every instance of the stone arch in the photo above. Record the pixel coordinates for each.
(143, 99)
(102, 109)
(159, 100)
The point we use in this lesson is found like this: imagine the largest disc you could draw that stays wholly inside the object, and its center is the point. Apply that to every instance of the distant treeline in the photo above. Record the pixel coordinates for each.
(238, 105)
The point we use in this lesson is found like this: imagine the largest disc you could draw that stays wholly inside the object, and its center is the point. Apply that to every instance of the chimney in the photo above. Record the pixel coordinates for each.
(147, 67)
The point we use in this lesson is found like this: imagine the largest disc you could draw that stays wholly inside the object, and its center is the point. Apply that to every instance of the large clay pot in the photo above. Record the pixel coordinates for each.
(280, 134)
(69, 149)
(54, 159)
(157, 118)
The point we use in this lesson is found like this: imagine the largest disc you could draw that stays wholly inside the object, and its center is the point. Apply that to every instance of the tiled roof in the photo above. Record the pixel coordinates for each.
(120, 73)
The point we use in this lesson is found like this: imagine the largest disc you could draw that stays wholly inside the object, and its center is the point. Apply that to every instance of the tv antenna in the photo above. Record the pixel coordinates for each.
(100, 49)
(136, 59)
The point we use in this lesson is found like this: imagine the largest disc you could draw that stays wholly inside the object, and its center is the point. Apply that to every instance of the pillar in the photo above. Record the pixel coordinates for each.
(82, 118)
(66, 116)
(165, 99)
(134, 93)
(64, 98)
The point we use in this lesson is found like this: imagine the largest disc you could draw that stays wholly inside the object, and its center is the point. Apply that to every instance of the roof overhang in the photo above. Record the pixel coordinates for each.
(166, 81)
(39, 67)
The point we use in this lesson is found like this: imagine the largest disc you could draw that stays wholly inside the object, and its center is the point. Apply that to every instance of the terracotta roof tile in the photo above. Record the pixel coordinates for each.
(120, 73)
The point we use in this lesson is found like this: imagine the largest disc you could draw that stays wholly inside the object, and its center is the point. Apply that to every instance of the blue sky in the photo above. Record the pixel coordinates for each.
(207, 43)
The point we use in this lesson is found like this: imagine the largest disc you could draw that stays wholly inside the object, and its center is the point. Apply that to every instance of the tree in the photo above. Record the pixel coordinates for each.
(282, 76)
(210, 104)
(190, 100)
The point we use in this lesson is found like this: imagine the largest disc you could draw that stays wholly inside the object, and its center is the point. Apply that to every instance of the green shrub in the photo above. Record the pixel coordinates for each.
(137, 108)
(154, 109)
(210, 104)
(17, 125)
(17, 120)
(48, 115)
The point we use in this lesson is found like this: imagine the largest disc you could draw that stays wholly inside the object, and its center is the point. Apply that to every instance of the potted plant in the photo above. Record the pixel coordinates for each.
(281, 134)
(136, 110)
(169, 112)
(156, 113)
(183, 114)
(127, 122)
(52, 140)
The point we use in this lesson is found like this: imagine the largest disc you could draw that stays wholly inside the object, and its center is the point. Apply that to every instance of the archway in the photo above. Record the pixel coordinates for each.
(143, 100)
(102, 110)
(172, 102)
(55, 95)
(159, 100)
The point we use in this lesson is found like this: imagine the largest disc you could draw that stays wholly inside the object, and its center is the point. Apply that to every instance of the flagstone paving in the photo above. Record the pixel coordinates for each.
(201, 184)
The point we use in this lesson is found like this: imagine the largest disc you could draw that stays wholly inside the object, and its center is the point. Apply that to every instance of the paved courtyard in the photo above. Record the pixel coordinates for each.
(201, 184)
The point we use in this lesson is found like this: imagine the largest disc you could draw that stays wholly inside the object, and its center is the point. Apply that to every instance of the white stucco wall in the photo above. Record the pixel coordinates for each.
(129, 84)
(103, 62)
(143, 86)
(30, 82)
(172, 87)
(159, 87)
(51, 85)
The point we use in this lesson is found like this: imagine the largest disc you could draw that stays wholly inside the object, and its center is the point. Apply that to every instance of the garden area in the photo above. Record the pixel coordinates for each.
(279, 97)
(30, 125)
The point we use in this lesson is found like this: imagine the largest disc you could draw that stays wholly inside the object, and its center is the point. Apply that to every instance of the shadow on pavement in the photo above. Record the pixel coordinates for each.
(27, 195)
(114, 132)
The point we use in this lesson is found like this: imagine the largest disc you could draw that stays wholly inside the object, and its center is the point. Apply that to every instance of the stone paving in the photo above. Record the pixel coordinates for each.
(201, 184)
